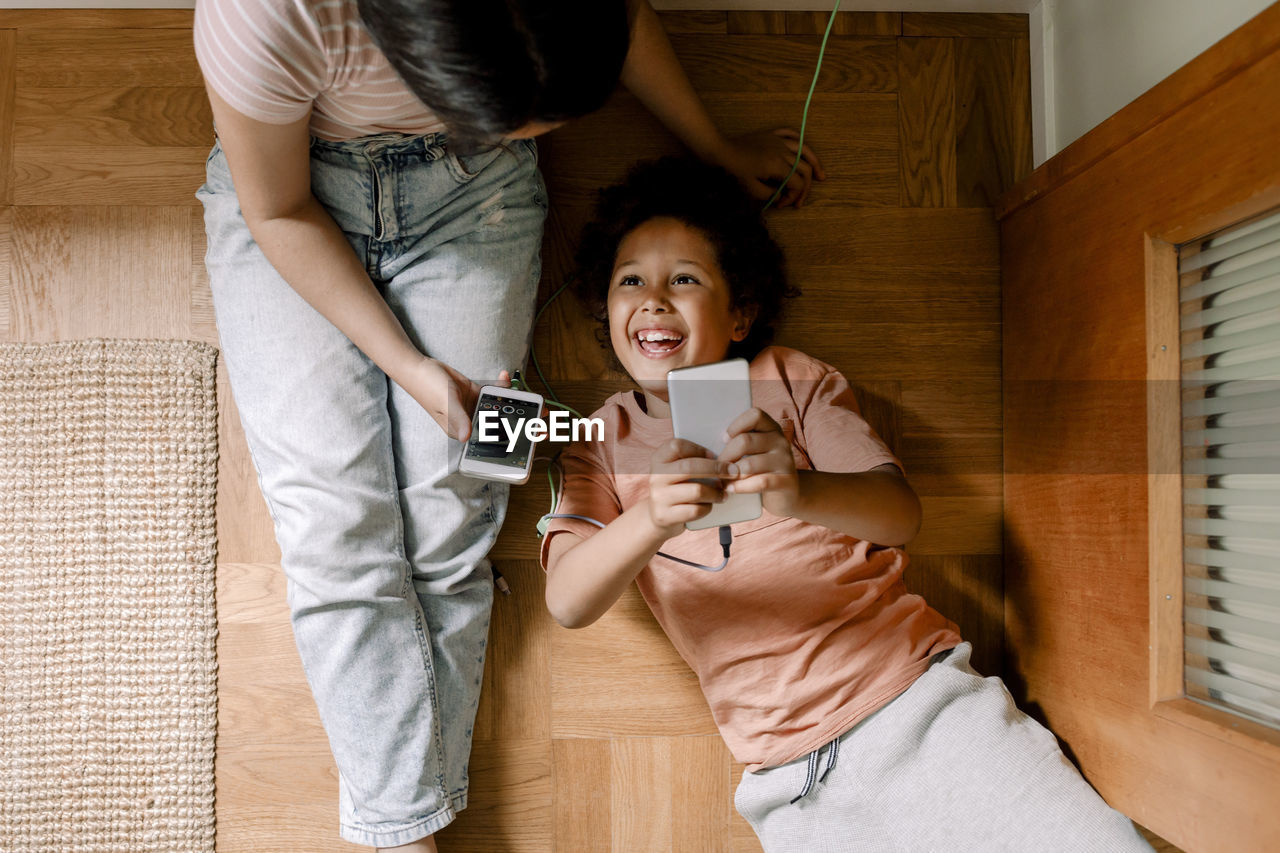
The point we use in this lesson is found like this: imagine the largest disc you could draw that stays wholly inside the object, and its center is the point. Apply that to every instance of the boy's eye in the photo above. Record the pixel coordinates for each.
(685, 278)
(629, 281)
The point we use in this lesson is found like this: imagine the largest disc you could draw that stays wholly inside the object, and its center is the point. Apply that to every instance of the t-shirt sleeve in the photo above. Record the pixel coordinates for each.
(837, 437)
(266, 58)
(588, 491)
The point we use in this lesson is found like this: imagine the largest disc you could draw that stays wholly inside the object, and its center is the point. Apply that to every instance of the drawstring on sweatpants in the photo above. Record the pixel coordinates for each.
(811, 775)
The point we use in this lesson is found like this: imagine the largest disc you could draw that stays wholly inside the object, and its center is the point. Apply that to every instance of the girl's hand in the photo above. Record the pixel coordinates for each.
(683, 484)
(447, 395)
(761, 160)
(759, 460)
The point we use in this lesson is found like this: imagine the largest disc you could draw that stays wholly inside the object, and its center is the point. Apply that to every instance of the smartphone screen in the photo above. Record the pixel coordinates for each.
(492, 448)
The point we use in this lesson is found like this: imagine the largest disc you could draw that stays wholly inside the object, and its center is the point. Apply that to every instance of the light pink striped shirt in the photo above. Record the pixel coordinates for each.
(275, 60)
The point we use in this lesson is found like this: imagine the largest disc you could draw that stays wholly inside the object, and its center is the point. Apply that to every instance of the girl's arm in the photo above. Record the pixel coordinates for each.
(653, 74)
(877, 505)
(586, 576)
(271, 167)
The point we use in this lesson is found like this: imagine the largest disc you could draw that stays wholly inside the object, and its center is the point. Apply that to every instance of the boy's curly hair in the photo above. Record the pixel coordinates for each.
(704, 197)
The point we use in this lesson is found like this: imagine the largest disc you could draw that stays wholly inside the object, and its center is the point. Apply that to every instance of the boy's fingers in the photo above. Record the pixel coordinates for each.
(679, 448)
(697, 467)
(690, 512)
(760, 483)
(771, 461)
(751, 442)
(751, 419)
(697, 493)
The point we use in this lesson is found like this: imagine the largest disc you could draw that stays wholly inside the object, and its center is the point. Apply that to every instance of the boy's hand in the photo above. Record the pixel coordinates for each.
(759, 459)
(674, 497)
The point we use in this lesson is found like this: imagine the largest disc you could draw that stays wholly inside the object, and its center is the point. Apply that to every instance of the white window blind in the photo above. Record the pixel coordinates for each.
(1230, 294)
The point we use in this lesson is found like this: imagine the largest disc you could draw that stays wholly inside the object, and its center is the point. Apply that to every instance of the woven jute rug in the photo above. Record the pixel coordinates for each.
(108, 470)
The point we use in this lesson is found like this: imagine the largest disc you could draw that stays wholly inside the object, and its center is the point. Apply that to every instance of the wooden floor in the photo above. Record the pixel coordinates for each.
(596, 739)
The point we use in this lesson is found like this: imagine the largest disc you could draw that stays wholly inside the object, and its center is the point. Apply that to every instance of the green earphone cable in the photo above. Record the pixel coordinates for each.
(804, 116)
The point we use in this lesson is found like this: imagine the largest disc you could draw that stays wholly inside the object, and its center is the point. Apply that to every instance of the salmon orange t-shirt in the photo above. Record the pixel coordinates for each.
(806, 631)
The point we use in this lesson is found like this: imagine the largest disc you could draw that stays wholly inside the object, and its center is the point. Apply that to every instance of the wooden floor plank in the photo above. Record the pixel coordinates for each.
(992, 153)
(246, 532)
(583, 817)
(731, 63)
(959, 526)
(894, 237)
(968, 590)
(855, 135)
(8, 95)
(701, 796)
(757, 22)
(908, 295)
(6, 294)
(145, 116)
(96, 19)
(75, 174)
(509, 805)
(694, 21)
(203, 324)
(846, 23)
(979, 24)
(926, 111)
(82, 272)
(597, 672)
(515, 702)
(641, 787)
(106, 57)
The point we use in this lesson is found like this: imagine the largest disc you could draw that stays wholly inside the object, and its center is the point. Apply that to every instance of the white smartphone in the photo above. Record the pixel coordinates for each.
(704, 401)
(499, 447)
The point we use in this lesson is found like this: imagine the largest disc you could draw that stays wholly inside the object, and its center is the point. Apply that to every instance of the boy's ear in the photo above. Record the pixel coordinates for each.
(742, 320)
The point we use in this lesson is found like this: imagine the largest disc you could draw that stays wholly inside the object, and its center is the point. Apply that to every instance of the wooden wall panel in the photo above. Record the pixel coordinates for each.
(1192, 155)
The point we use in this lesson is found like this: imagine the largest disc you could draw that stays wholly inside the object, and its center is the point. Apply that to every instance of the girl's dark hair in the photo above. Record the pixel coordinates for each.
(488, 67)
(704, 197)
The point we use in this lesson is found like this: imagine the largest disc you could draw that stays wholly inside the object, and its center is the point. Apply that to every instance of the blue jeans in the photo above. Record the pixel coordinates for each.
(382, 542)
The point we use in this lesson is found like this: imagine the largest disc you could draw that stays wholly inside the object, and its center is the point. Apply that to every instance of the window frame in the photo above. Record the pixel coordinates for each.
(1167, 695)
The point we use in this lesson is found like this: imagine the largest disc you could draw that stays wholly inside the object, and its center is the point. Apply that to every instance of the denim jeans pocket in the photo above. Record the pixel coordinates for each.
(465, 167)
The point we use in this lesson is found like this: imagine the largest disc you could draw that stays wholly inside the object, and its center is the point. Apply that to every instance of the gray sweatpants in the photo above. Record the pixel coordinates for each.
(950, 765)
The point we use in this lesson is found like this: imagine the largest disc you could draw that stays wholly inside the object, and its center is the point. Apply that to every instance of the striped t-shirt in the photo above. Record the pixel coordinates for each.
(275, 60)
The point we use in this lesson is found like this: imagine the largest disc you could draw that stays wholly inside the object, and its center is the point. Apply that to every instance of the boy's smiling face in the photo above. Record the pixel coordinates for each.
(669, 305)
